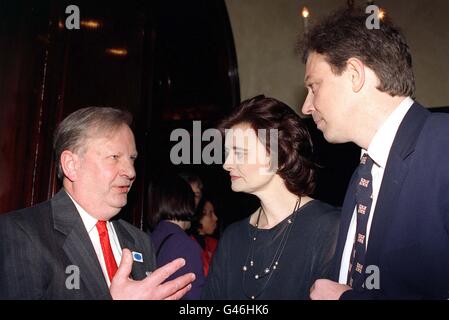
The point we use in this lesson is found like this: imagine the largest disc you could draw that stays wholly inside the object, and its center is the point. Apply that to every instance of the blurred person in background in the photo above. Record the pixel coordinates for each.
(170, 210)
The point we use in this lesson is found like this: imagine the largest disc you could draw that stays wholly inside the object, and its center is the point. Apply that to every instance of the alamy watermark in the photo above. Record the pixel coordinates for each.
(373, 20)
(372, 280)
(73, 20)
(72, 282)
(242, 146)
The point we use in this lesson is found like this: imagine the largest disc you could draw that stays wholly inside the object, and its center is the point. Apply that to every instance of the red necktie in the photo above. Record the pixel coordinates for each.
(111, 264)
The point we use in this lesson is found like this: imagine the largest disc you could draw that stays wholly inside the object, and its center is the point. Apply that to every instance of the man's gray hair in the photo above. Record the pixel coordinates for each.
(72, 132)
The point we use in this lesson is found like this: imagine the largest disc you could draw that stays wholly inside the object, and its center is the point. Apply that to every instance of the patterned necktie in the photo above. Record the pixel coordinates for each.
(364, 199)
(111, 264)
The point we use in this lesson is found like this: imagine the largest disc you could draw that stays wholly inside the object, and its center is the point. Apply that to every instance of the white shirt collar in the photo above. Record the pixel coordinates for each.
(380, 146)
(89, 221)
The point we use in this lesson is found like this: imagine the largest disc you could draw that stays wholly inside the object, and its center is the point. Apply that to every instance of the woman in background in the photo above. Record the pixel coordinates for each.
(203, 229)
(195, 183)
(170, 209)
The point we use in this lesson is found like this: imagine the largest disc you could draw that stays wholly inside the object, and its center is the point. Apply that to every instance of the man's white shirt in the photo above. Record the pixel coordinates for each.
(378, 150)
(90, 225)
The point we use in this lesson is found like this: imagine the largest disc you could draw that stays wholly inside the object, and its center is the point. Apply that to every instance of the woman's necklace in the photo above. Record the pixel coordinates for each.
(266, 272)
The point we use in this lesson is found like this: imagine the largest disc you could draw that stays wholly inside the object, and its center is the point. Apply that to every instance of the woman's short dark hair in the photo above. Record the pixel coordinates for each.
(344, 35)
(192, 178)
(169, 198)
(295, 164)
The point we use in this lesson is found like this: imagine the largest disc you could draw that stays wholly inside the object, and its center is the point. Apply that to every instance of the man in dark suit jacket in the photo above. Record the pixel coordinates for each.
(54, 251)
(360, 83)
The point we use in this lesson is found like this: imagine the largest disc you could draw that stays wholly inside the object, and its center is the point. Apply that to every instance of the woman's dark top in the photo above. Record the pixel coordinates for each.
(306, 256)
(171, 242)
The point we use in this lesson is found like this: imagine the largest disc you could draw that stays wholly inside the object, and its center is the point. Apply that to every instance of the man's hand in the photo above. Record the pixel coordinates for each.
(150, 288)
(324, 289)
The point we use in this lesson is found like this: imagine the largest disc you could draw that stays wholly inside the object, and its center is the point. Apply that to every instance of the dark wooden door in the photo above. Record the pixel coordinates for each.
(24, 120)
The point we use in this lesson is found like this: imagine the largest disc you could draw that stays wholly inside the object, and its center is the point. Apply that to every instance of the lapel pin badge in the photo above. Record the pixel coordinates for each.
(137, 256)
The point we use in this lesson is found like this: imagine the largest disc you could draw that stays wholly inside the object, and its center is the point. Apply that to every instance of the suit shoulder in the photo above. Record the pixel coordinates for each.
(133, 230)
(26, 212)
(434, 137)
(437, 122)
(29, 218)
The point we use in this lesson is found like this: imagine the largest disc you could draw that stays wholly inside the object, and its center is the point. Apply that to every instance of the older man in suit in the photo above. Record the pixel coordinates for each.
(394, 233)
(68, 247)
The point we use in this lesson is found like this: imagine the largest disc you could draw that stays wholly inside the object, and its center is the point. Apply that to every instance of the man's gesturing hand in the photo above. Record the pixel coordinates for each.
(324, 289)
(150, 288)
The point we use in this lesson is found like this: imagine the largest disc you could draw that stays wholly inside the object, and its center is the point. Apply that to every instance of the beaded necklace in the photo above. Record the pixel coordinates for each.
(267, 272)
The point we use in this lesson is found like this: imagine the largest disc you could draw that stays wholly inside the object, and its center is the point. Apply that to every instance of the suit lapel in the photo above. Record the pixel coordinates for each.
(127, 241)
(395, 172)
(78, 246)
(394, 175)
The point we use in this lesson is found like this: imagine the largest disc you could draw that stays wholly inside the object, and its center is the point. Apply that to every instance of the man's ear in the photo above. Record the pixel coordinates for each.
(70, 163)
(356, 72)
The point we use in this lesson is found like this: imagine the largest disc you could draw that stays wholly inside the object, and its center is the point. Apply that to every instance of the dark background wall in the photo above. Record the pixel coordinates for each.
(164, 61)
(266, 32)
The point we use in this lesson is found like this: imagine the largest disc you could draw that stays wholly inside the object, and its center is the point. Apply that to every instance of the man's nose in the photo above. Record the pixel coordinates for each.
(307, 107)
(128, 170)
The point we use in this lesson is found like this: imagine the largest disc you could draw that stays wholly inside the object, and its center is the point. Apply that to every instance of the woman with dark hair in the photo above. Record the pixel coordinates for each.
(204, 224)
(195, 183)
(286, 244)
(170, 209)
